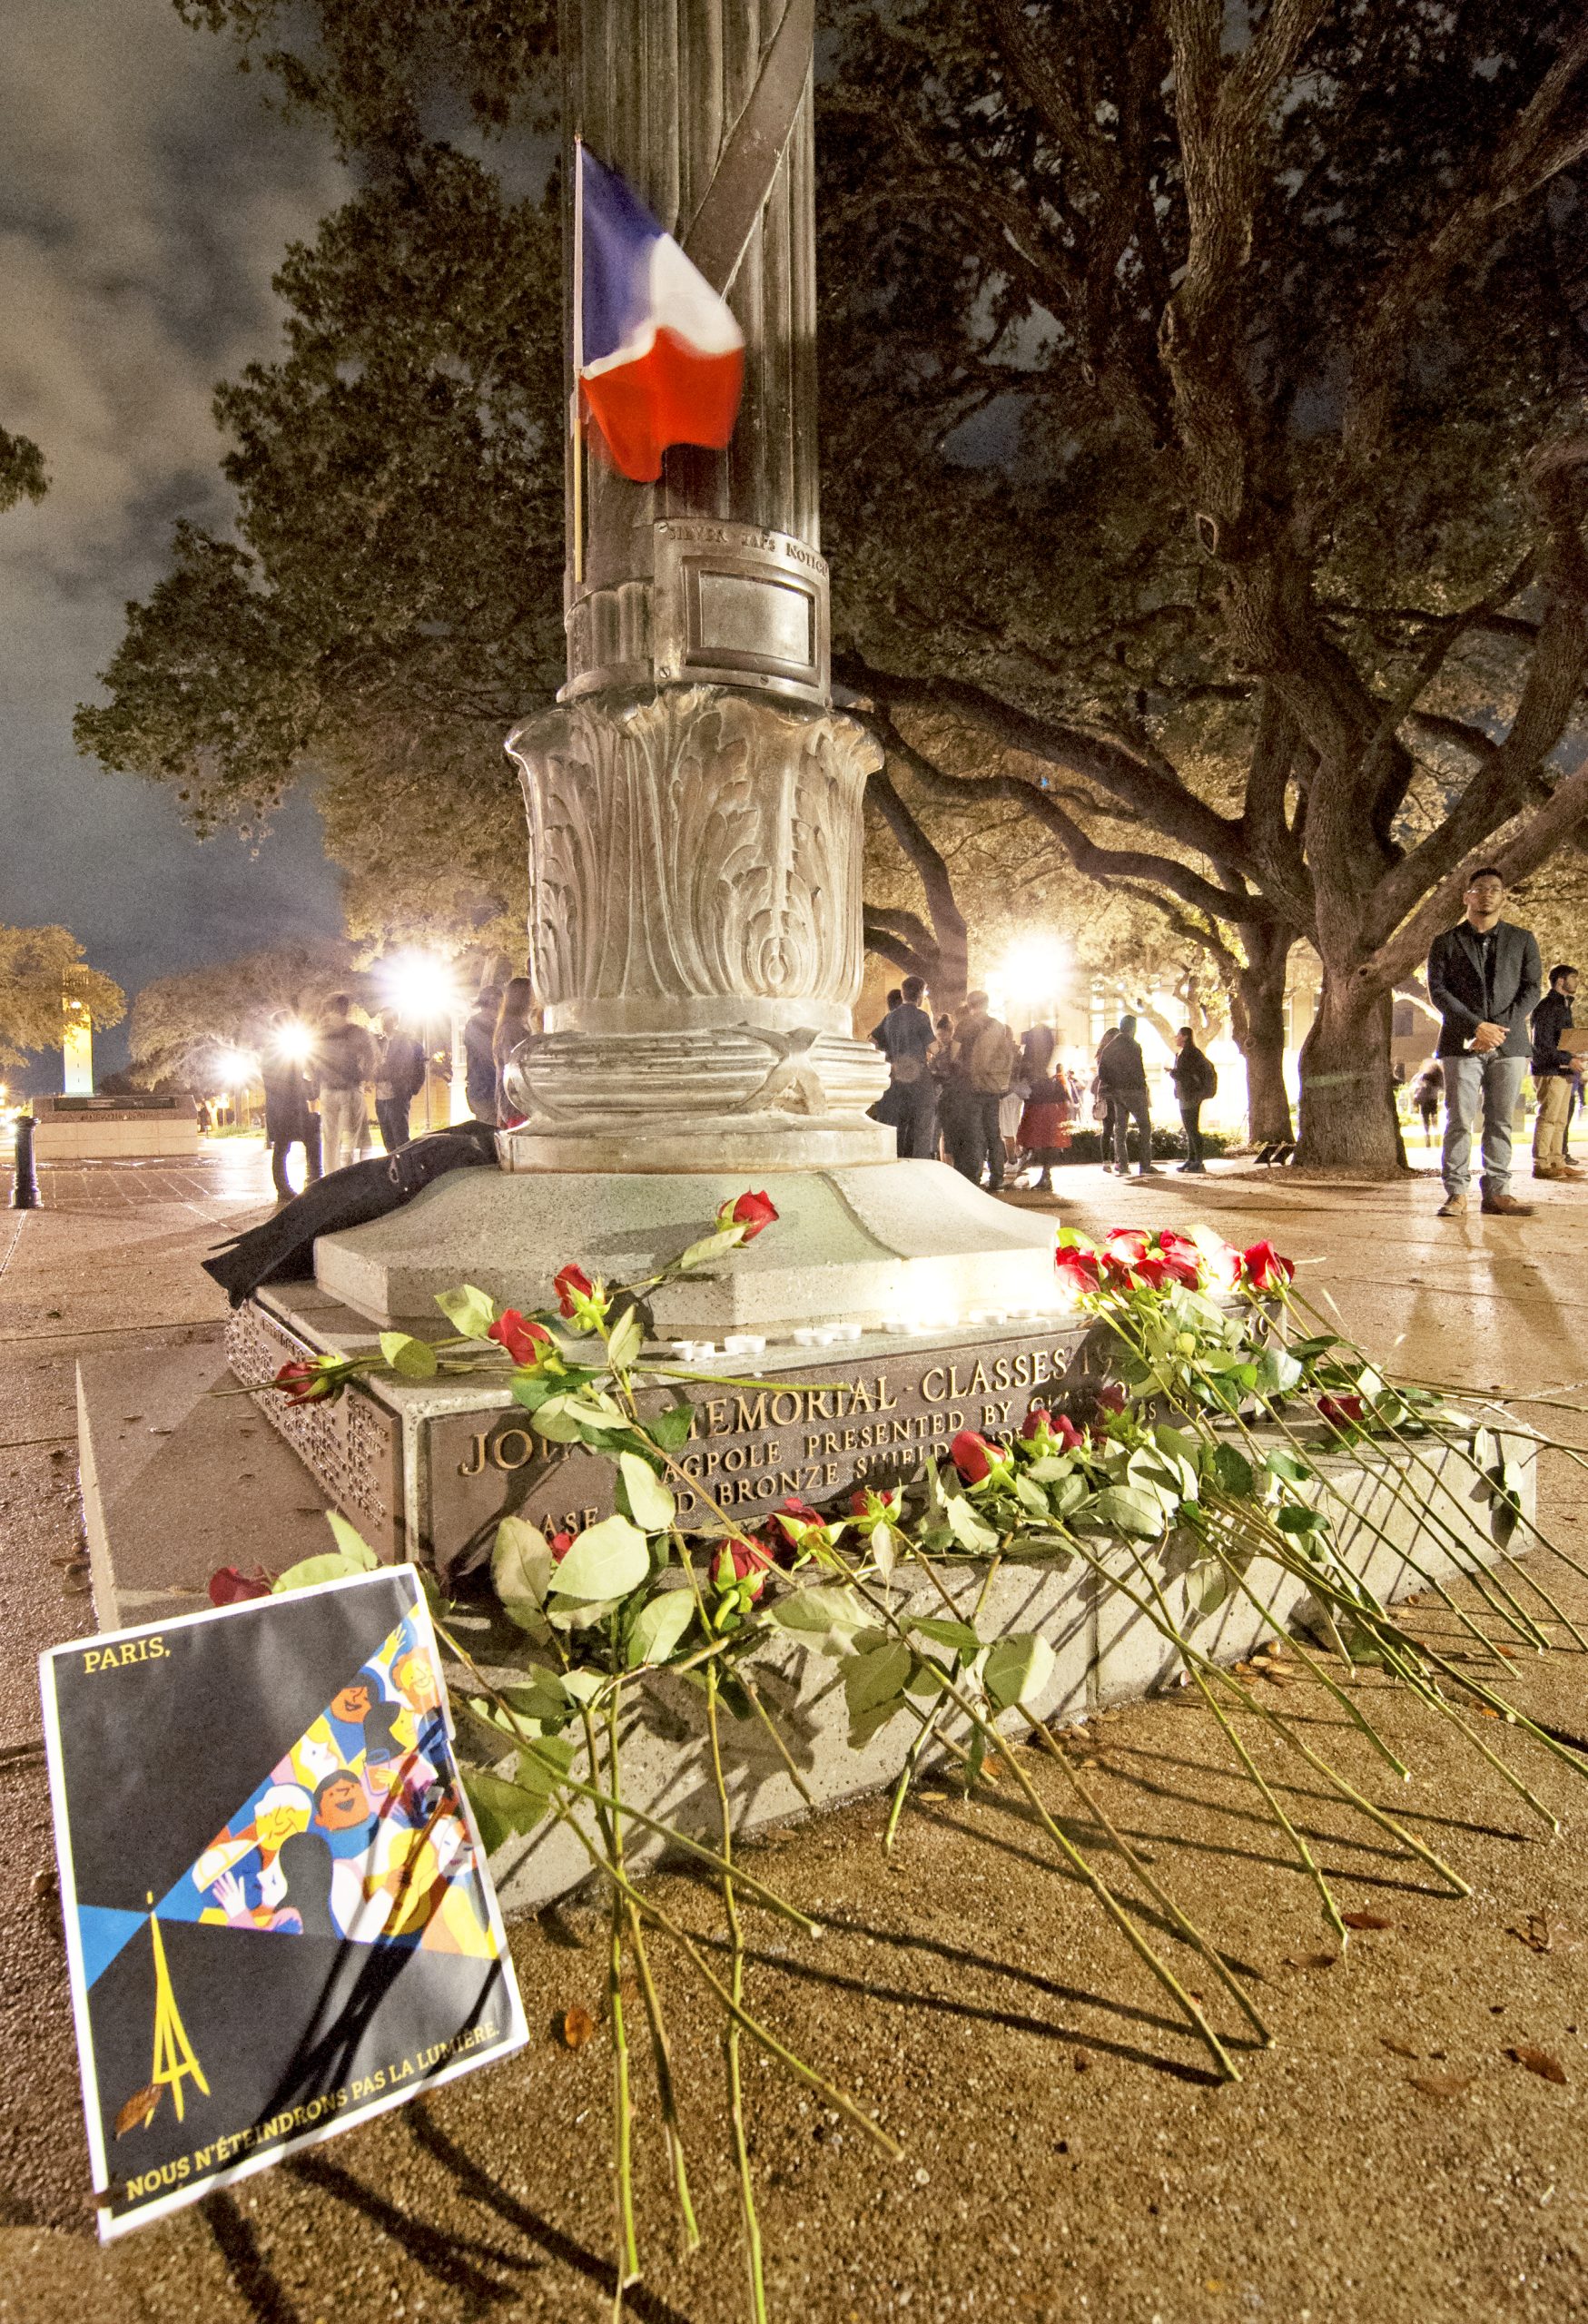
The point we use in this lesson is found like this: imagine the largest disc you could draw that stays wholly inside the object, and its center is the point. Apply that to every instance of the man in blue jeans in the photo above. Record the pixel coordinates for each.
(1484, 978)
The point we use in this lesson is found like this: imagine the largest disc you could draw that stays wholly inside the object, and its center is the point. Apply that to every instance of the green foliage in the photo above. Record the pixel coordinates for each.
(22, 476)
(39, 968)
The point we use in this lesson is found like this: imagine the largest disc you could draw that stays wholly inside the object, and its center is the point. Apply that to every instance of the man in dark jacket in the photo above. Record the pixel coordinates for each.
(400, 1076)
(290, 1115)
(1123, 1081)
(479, 1060)
(910, 1103)
(1553, 1067)
(1195, 1082)
(1483, 979)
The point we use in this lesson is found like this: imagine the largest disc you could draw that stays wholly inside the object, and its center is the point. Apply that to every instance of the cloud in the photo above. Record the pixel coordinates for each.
(148, 197)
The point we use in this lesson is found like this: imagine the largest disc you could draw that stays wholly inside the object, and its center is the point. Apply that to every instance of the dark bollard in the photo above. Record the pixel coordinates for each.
(25, 1180)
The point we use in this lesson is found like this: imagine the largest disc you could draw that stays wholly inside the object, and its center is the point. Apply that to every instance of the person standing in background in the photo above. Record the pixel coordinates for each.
(1426, 1093)
(1122, 1074)
(400, 1076)
(480, 1064)
(344, 1061)
(1194, 1083)
(1484, 979)
(290, 1115)
(1553, 1069)
(909, 1105)
(514, 1026)
(983, 1060)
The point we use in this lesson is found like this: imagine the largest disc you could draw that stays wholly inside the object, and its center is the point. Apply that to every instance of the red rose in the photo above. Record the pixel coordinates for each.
(972, 1455)
(860, 1499)
(1265, 1268)
(522, 1339)
(1180, 1270)
(802, 1513)
(751, 1212)
(1175, 1246)
(1080, 1268)
(1342, 1412)
(313, 1379)
(1125, 1242)
(1112, 1398)
(560, 1545)
(744, 1561)
(1068, 1434)
(1117, 1271)
(568, 1283)
(1154, 1273)
(229, 1586)
(1036, 1421)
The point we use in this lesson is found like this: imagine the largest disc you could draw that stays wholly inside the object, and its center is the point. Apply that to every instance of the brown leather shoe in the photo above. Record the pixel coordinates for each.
(1506, 1206)
(1453, 1206)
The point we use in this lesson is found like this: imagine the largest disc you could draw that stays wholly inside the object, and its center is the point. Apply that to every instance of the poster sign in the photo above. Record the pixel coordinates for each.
(277, 1909)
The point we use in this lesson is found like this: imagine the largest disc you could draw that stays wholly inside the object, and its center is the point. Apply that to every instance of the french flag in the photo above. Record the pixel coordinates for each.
(658, 355)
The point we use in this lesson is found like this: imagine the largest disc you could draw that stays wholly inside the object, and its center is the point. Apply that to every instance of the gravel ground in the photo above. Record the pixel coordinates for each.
(1067, 2154)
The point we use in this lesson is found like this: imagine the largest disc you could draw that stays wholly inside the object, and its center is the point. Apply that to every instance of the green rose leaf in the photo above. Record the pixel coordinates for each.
(1135, 1509)
(1294, 1519)
(1208, 1586)
(875, 1677)
(329, 1566)
(607, 1561)
(1234, 1471)
(552, 1419)
(541, 1770)
(943, 1632)
(658, 1626)
(500, 1809)
(1285, 1463)
(711, 1246)
(818, 1611)
(1017, 1669)
(1030, 1496)
(359, 1556)
(671, 1428)
(522, 1568)
(1277, 1373)
(626, 1340)
(967, 1527)
(413, 1359)
(469, 1311)
(650, 1504)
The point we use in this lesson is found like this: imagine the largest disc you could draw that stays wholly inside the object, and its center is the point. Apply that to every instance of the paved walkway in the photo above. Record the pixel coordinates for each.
(1066, 2160)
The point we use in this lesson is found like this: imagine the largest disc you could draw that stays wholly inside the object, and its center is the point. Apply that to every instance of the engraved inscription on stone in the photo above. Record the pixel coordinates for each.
(351, 1446)
(871, 1421)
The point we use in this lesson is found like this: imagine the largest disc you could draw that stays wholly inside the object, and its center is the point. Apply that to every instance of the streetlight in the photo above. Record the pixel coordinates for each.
(1033, 974)
(423, 987)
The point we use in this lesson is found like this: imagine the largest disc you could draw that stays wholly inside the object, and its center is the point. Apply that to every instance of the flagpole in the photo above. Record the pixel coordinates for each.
(577, 443)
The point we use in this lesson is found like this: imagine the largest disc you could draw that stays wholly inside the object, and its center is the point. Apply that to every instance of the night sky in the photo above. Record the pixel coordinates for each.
(147, 198)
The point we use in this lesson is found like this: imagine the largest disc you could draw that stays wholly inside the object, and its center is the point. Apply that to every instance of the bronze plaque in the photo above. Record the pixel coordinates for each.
(870, 1422)
(353, 1447)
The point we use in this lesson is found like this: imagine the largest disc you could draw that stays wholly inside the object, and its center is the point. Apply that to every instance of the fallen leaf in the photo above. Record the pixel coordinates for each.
(139, 2110)
(1401, 2049)
(1533, 1932)
(1510, 1652)
(1082, 2062)
(577, 2025)
(1538, 2061)
(1310, 1960)
(1441, 2085)
(1367, 1920)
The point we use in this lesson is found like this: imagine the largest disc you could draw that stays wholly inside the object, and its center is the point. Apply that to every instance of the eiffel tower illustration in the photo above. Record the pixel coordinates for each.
(173, 2053)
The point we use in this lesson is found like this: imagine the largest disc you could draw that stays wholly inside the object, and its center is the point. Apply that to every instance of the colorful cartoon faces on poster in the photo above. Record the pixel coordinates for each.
(355, 1833)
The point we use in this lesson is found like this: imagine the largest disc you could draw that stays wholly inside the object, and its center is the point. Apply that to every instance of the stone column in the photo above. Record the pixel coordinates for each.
(694, 805)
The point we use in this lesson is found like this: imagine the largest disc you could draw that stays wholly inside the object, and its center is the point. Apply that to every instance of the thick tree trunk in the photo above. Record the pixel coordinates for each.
(1348, 1120)
(1259, 1032)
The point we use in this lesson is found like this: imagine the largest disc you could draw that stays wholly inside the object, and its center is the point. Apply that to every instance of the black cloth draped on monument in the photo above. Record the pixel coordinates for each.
(284, 1248)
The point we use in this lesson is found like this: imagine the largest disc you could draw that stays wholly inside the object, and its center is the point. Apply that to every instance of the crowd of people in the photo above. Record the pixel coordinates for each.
(964, 1089)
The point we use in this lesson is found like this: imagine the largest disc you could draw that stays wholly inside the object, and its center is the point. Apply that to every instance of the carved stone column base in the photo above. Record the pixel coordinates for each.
(737, 1098)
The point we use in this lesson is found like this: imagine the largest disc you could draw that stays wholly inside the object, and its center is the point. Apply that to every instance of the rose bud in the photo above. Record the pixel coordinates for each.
(314, 1380)
(1342, 1412)
(524, 1341)
(229, 1586)
(803, 1515)
(744, 1561)
(751, 1212)
(1081, 1267)
(1266, 1268)
(1065, 1430)
(1125, 1242)
(571, 1284)
(1038, 1419)
(560, 1545)
(972, 1456)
